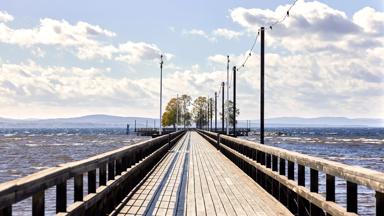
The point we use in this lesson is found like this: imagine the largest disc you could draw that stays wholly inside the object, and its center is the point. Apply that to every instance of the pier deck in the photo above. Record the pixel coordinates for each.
(196, 179)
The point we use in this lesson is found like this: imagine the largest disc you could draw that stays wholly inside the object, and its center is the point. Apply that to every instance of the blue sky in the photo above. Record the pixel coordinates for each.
(70, 58)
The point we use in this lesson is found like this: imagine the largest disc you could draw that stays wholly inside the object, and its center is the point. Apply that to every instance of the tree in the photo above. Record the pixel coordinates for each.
(177, 107)
(186, 115)
(169, 115)
(199, 111)
(229, 104)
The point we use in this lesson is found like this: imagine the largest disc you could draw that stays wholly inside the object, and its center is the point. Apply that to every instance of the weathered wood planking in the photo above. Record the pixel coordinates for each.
(215, 186)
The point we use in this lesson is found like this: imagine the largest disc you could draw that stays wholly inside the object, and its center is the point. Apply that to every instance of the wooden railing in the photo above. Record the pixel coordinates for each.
(274, 169)
(117, 172)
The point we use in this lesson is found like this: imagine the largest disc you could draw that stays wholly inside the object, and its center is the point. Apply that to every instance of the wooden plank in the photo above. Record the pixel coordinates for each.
(234, 195)
(191, 198)
(208, 202)
(199, 198)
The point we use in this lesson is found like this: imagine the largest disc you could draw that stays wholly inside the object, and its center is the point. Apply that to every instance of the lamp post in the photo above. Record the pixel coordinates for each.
(161, 93)
(227, 107)
(177, 111)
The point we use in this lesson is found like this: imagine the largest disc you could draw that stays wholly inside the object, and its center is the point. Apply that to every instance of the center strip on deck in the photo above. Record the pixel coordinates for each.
(196, 179)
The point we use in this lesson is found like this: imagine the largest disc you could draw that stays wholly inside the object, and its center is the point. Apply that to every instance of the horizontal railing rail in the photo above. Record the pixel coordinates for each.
(118, 173)
(274, 169)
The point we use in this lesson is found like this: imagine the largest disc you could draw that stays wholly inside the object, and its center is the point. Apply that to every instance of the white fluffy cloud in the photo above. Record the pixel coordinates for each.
(200, 33)
(214, 35)
(87, 40)
(323, 62)
(135, 52)
(226, 33)
(314, 26)
(5, 17)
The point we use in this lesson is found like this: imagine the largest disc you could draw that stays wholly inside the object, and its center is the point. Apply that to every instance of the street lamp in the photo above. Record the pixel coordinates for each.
(161, 93)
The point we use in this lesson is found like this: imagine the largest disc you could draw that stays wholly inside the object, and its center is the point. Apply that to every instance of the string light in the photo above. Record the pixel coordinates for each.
(284, 17)
(258, 33)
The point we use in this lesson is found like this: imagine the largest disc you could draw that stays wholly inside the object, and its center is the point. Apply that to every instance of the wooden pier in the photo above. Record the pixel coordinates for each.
(194, 173)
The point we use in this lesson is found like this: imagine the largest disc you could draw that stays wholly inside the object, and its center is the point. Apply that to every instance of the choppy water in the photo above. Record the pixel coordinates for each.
(25, 151)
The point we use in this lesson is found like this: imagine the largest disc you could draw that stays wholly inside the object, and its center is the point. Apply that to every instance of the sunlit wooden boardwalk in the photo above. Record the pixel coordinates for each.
(196, 179)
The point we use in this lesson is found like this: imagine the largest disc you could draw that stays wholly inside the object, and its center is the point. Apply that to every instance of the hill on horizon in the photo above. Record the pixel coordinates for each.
(110, 121)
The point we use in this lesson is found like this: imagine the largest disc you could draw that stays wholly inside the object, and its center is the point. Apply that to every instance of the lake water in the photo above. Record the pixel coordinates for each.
(25, 151)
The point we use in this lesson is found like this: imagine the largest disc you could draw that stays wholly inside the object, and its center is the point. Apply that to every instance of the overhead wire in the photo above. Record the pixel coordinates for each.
(258, 33)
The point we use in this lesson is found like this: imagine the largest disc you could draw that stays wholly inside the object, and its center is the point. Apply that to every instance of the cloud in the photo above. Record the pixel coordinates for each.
(314, 26)
(226, 33)
(370, 20)
(85, 39)
(200, 33)
(135, 52)
(213, 36)
(5, 17)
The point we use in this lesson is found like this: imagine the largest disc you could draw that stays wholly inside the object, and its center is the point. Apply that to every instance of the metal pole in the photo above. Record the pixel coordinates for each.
(161, 93)
(135, 126)
(211, 111)
(262, 86)
(146, 124)
(227, 107)
(234, 100)
(222, 107)
(207, 113)
(215, 111)
(177, 110)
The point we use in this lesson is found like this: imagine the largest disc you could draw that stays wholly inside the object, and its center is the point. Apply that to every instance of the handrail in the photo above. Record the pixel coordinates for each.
(110, 166)
(266, 158)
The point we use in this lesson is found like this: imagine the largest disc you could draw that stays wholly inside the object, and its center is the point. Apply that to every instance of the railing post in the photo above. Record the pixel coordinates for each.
(351, 197)
(379, 203)
(282, 189)
(218, 142)
(301, 175)
(111, 170)
(38, 203)
(314, 187)
(7, 211)
(330, 188)
(314, 174)
(290, 195)
(61, 197)
(291, 170)
(103, 174)
(268, 162)
(92, 181)
(301, 181)
(78, 188)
